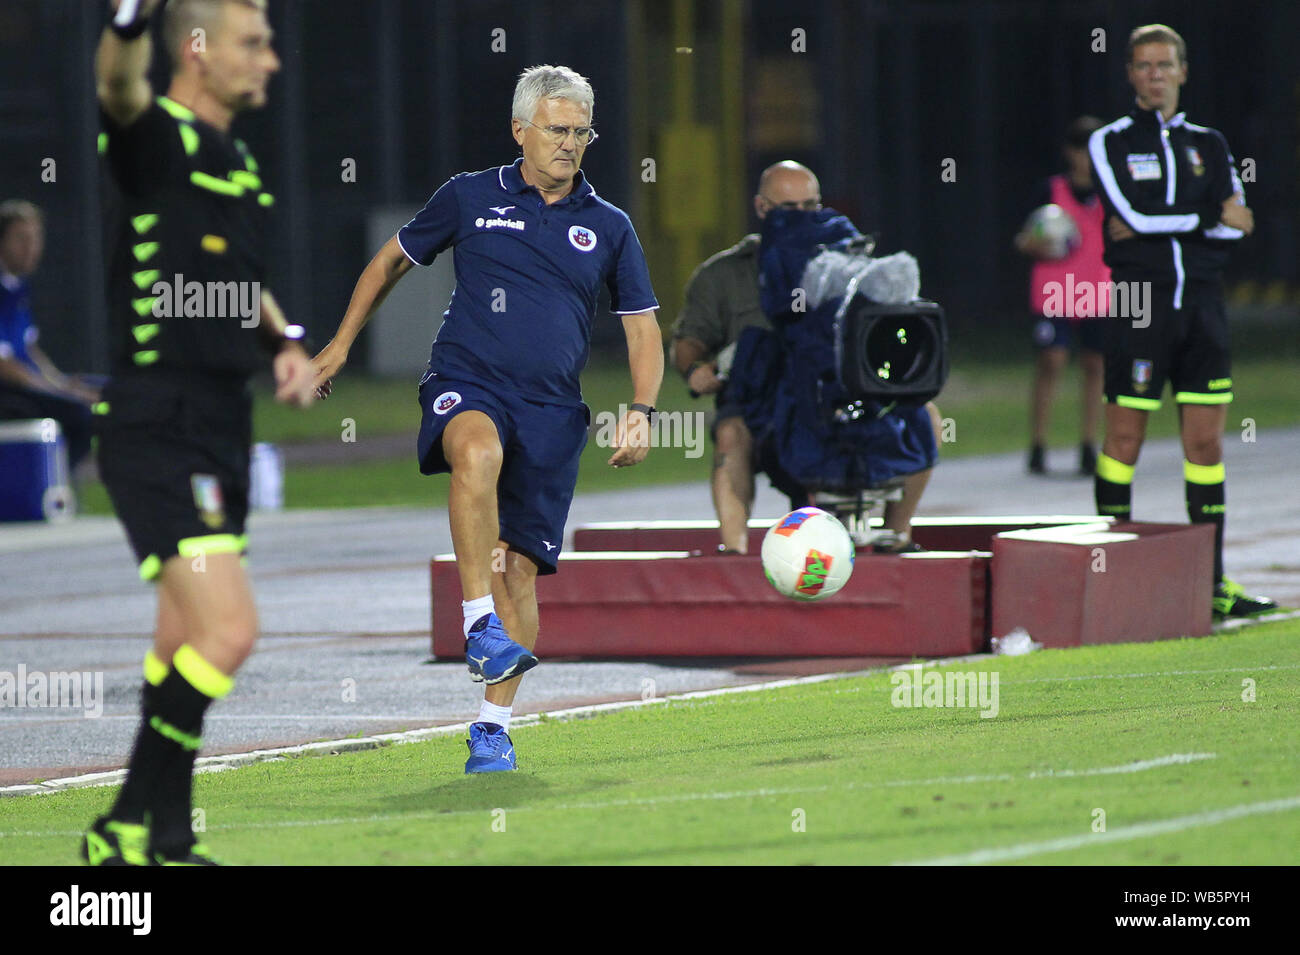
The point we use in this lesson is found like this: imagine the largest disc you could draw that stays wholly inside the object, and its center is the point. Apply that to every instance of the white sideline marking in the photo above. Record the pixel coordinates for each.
(1136, 767)
(924, 664)
(1133, 676)
(216, 764)
(1175, 759)
(1139, 831)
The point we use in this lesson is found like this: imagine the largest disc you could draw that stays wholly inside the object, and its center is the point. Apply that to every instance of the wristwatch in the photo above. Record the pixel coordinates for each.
(274, 341)
(648, 410)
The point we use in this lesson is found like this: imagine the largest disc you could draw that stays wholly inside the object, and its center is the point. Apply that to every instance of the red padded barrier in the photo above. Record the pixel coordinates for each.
(673, 604)
(1156, 584)
(636, 590)
(932, 533)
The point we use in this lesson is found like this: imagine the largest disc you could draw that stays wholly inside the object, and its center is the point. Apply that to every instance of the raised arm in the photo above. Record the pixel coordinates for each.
(122, 64)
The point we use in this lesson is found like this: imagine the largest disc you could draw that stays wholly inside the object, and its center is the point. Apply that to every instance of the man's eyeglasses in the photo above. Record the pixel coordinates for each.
(805, 205)
(582, 135)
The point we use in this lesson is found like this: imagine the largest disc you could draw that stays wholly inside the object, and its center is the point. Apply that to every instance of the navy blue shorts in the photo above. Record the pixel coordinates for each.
(1070, 333)
(541, 445)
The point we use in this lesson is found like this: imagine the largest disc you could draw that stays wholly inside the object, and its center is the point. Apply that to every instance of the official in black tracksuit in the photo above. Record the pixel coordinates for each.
(1174, 204)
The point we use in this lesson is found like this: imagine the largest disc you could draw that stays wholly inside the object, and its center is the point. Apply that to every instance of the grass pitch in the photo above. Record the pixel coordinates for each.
(1189, 748)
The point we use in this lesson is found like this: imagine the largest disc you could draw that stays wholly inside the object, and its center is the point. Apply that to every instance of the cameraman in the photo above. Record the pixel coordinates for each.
(722, 300)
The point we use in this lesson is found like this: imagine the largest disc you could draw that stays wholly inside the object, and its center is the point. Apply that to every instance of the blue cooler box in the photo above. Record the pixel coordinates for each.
(34, 482)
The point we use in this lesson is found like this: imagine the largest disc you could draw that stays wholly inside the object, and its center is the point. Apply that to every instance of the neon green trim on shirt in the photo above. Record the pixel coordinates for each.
(211, 183)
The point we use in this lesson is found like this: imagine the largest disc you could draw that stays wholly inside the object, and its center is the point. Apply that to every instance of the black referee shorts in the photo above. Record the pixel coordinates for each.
(1186, 346)
(173, 454)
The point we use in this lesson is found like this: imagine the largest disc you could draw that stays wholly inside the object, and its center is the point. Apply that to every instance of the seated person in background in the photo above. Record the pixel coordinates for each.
(30, 384)
(722, 299)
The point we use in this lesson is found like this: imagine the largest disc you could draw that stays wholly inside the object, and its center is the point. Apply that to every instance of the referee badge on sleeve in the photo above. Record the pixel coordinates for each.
(207, 498)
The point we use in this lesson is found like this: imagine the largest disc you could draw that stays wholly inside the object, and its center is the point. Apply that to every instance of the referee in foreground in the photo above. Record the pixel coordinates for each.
(1174, 204)
(175, 421)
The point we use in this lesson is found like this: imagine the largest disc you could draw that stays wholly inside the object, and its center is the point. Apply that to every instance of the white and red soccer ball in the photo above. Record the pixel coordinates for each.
(808, 555)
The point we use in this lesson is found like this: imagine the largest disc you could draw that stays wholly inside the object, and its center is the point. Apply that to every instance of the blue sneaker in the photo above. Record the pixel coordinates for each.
(490, 749)
(491, 655)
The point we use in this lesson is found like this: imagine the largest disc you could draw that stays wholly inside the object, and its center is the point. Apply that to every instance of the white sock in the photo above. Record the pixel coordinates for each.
(476, 608)
(491, 713)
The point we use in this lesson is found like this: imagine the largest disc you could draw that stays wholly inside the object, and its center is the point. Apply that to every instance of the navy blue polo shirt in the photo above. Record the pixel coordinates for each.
(528, 279)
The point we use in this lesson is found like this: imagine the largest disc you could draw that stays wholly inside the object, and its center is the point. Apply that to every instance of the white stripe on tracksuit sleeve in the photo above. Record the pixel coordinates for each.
(1137, 221)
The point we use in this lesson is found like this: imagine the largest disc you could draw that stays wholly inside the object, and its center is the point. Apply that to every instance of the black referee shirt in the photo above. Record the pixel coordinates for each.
(188, 259)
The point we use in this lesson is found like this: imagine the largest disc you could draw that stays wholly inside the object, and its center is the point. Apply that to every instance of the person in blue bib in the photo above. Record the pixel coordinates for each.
(502, 407)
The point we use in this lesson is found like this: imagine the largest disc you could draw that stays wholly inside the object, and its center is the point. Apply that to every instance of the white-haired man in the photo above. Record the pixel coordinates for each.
(175, 420)
(502, 408)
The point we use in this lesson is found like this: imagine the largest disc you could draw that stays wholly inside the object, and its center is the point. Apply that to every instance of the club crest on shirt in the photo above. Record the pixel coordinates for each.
(207, 498)
(1194, 160)
(584, 240)
(1141, 374)
(445, 402)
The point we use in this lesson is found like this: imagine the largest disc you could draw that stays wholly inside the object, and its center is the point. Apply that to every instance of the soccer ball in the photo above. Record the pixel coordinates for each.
(1054, 224)
(808, 555)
